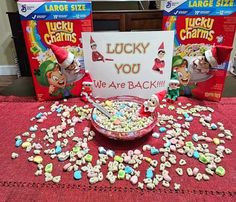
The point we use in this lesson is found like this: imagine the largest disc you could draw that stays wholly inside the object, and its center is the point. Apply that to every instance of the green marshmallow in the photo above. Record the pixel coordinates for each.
(48, 168)
(121, 174)
(190, 145)
(88, 157)
(76, 149)
(203, 159)
(220, 171)
(118, 159)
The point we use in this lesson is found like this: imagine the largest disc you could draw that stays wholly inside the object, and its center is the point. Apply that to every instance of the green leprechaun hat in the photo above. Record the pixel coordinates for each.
(41, 72)
(177, 60)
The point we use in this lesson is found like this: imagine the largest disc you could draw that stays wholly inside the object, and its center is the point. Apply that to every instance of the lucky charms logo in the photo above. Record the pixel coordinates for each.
(60, 31)
(197, 28)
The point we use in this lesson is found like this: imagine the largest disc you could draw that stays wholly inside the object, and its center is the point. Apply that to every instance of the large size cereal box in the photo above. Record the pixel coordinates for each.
(204, 34)
(52, 33)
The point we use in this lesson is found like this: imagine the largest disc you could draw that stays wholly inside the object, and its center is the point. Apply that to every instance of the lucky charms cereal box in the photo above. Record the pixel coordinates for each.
(204, 34)
(52, 33)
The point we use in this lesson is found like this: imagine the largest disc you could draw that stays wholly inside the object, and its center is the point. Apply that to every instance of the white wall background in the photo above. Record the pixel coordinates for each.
(6, 44)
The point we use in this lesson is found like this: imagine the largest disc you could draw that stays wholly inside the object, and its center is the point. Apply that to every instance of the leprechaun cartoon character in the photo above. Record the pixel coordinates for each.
(49, 74)
(159, 62)
(180, 66)
(173, 89)
(70, 66)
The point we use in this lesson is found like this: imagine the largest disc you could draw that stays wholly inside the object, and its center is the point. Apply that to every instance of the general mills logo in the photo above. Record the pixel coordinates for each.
(23, 8)
(168, 4)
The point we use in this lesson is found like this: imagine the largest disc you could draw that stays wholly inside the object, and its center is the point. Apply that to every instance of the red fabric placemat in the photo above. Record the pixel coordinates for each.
(18, 183)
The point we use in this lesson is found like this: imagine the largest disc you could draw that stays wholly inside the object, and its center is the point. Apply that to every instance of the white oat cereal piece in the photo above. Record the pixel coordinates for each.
(140, 185)
(50, 140)
(221, 128)
(163, 159)
(209, 171)
(33, 135)
(221, 135)
(14, 155)
(220, 154)
(154, 163)
(147, 180)
(162, 166)
(212, 165)
(38, 172)
(31, 158)
(182, 162)
(40, 166)
(127, 176)
(165, 183)
(138, 161)
(155, 181)
(75, 167)
(48, 178)
(220, 148)
(228, 151)
(165, 172)
(172, 160)
(17, 137)
(190, 153)
(162, 150)
(53, 156)
(180, 151)
(217, 160)
(179, 171)
(94, 180)
(112, 179)
(121, 166)
(137, 173)
(26, 134)
(56, 179)
(36, 151)
(159, 177)
(199, 177)
(28, 149)
(166, 153)
(189, 172)
(135, 165)
(228, 137)
(150, 186)
(100, 176)
(176, 186)
(205, 177)
(172, 156)
(70, 168)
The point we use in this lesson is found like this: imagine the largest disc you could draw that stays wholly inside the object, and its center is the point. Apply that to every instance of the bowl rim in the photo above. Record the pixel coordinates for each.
(124, 135)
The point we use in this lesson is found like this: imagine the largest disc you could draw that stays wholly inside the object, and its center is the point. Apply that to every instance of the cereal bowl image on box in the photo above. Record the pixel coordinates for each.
(125, 122)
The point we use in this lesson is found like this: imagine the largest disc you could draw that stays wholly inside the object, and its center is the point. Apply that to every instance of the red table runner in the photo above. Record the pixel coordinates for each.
(18, 183)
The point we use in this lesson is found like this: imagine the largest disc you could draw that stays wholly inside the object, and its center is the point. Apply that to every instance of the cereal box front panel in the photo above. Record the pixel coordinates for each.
(198, 26)
(52, 32)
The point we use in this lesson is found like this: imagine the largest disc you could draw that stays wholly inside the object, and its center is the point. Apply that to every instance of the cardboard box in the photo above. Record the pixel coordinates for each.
(52, 33)
(198, 26)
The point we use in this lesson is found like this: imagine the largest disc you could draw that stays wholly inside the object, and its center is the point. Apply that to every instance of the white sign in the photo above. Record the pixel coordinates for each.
(128, 63)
